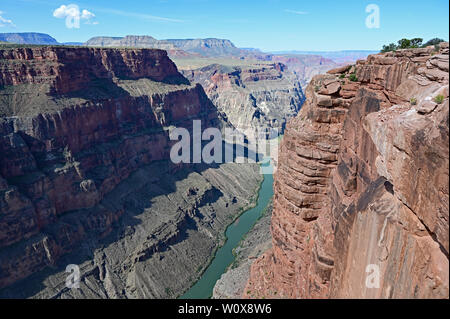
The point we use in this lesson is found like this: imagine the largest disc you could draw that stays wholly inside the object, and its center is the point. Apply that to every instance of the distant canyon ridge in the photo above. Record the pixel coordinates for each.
(305, 64)
(251, 89)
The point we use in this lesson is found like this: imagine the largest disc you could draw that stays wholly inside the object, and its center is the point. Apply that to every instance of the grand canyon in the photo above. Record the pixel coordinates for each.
(353, 203)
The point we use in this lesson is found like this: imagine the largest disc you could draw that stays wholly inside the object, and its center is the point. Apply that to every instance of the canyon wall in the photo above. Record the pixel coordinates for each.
(85, 175)
(250, 97)
(361, 200)
(247, 92)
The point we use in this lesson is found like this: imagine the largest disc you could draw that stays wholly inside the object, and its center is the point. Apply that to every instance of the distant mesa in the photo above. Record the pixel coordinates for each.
(28, 38)
(131, 41)
(210, 47)
(305, 64)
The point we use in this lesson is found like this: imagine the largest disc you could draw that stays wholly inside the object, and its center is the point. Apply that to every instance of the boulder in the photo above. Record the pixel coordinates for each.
(324, 100)
(426, 107)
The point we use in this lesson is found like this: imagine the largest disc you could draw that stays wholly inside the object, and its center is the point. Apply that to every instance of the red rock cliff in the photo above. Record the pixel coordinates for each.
(70, 69)
(362, 184)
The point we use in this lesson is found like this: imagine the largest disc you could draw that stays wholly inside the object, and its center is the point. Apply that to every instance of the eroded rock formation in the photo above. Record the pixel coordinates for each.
(67, 70)
(251, 97)
(362, 185)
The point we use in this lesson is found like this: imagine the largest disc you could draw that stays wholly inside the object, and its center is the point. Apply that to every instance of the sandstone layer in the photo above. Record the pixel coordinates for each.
(362, 185)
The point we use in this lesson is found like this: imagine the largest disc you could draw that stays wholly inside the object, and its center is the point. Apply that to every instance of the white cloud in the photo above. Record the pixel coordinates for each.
(73, 15)
(61, 12)
(87, 15)
(5, 22)
(296, 12)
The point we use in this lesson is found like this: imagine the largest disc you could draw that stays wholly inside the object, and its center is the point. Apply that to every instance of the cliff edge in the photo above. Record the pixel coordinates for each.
(361, 200)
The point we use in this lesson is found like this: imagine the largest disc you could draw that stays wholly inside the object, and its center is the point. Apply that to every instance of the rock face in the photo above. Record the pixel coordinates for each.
(67, 70)
(362, 185)
(83, 132)
(253, 96)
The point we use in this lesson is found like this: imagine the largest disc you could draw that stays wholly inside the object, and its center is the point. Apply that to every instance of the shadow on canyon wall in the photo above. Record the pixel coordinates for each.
(97, 232)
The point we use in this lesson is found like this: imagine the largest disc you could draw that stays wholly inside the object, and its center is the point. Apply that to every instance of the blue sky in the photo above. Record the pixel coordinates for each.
(266, 24)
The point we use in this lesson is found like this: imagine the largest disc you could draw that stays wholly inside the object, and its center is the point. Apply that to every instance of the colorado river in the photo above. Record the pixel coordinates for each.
(203, 289)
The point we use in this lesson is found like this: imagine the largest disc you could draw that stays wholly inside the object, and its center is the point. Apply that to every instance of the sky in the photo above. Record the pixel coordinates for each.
(270, 25)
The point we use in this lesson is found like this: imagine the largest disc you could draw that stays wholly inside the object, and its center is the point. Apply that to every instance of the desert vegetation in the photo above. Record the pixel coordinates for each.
(410, 43)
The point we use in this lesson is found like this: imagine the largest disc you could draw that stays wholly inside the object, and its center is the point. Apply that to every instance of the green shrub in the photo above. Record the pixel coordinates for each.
(407, 43)
(317, 88)
(353, 77)
(342, 76)
(410, 43)
(413, 101)
(416, 43)
(434, 41)
(439, 99)
(388, 48)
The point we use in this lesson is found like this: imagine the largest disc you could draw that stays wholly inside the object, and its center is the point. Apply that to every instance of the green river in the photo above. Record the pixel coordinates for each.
(203, 289)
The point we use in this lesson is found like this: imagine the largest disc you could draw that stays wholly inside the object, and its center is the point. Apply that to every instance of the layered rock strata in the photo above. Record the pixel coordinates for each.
(361, 198)
(79, 133)
(257, 96)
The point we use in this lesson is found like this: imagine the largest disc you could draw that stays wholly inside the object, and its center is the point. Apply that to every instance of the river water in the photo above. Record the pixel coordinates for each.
(203, 289)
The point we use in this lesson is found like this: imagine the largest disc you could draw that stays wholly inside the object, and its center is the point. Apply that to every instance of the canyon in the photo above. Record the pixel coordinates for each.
(251, 89)
(86, 177)
(360, 190)
(361, 193)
